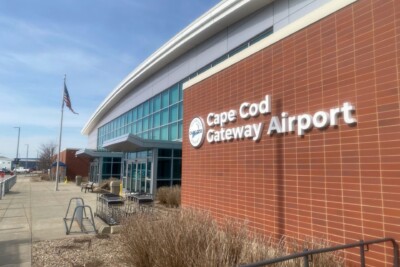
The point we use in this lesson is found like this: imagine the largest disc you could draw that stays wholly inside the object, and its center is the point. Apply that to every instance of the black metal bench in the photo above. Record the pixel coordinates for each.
(87, 186)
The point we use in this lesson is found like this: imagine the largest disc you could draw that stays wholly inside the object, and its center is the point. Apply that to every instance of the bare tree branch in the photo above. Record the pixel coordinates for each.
(46, 155)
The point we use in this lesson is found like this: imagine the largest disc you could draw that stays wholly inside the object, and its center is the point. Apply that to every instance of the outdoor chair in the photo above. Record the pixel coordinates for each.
(87, 186)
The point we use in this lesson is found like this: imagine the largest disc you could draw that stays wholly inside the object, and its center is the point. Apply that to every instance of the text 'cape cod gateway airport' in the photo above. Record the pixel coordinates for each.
(283, 114)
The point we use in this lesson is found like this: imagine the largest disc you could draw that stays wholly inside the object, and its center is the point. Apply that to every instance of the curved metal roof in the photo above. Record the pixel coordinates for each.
(216, 19)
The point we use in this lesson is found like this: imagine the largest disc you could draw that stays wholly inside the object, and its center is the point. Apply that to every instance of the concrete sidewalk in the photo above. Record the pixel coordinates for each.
(34, 211)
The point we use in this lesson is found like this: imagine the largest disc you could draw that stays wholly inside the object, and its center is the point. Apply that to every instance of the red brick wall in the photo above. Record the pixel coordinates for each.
(342, 183)
(75, 165)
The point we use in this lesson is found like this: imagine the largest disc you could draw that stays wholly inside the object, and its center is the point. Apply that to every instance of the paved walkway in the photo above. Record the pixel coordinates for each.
(34, 211)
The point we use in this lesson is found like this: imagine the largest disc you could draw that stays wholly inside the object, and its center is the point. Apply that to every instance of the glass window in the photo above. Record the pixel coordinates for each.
(180, 91)
(164, 168)
(164, 116)
(150, 118)
(164, 133)
(139, 126)
(180, 116)
(203, 69)
(145, 124)
(177, 169)
(106, 169)
(165, 99)
(125, 119)
(116, 168)
(174, 113)
(163, 183)
(145, 135)
(193, 75)
(134, 114)
(129, 117)
(165, 153)
(133, 128)
(157, 103)
(174, 94)
(238, 49)
(219, 60)
(261, 36)
(146, 108)
(150, 105)
(156, 119)
(156, 134)
(131, 155)
(173, 131)
(107, 159)
(177, 153)
(140, 111)
(176, 182)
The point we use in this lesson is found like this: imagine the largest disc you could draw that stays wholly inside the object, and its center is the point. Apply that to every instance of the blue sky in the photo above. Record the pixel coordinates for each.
(96, 43)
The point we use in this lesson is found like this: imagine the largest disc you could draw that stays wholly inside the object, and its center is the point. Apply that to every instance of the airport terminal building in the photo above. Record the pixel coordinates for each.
(284, 114)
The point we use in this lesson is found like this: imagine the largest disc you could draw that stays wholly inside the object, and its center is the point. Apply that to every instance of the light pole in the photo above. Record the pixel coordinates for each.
(27, 155)
(16, 159)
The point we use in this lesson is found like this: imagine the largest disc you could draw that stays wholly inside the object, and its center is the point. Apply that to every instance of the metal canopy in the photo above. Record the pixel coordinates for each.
(91, 153)
(61, 164)
(133, 143)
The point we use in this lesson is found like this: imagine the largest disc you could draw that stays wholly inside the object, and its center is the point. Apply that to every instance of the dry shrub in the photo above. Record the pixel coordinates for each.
(190, 238)
(36, 179)
(105, 184)
(169, 196)
(45, 177)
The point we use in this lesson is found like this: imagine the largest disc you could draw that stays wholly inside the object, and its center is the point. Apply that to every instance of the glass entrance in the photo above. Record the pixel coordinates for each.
(138, 176)
(94, 171)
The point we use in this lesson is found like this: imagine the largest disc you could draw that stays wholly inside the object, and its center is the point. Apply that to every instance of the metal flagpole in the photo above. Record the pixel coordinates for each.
(59, 139)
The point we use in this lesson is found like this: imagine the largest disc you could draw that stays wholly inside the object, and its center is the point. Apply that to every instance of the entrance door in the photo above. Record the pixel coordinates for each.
(138, 176)
(94, 172)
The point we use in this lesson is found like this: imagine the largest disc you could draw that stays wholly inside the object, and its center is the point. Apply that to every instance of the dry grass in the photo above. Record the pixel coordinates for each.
(190, 238)
(105, 184)
(169, 196)
(45, 177)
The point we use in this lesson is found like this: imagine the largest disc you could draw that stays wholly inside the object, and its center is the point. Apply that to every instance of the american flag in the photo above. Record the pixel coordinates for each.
(67, 100)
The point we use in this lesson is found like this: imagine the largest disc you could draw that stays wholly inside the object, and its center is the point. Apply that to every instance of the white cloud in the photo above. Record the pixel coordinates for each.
(53, 62)
(17, 29)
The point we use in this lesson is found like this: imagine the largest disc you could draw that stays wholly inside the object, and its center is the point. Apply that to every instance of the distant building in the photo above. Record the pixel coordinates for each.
(27, 163)
(5, 163)
(74, 165)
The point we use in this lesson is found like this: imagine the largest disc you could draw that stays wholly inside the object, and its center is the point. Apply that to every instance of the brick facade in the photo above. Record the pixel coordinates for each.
(75, 165)
(341, 183)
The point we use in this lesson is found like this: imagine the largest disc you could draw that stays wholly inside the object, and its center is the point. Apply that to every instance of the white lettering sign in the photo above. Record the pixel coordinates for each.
(300, 124)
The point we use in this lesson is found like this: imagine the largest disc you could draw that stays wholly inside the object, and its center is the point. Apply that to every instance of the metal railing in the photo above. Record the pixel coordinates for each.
(6, 184)
(363, 245)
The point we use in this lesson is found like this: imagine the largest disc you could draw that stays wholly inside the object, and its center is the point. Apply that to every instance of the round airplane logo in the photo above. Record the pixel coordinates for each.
(196, 132)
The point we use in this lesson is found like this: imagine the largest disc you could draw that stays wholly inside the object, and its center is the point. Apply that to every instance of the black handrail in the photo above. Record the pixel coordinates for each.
(307, 253)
